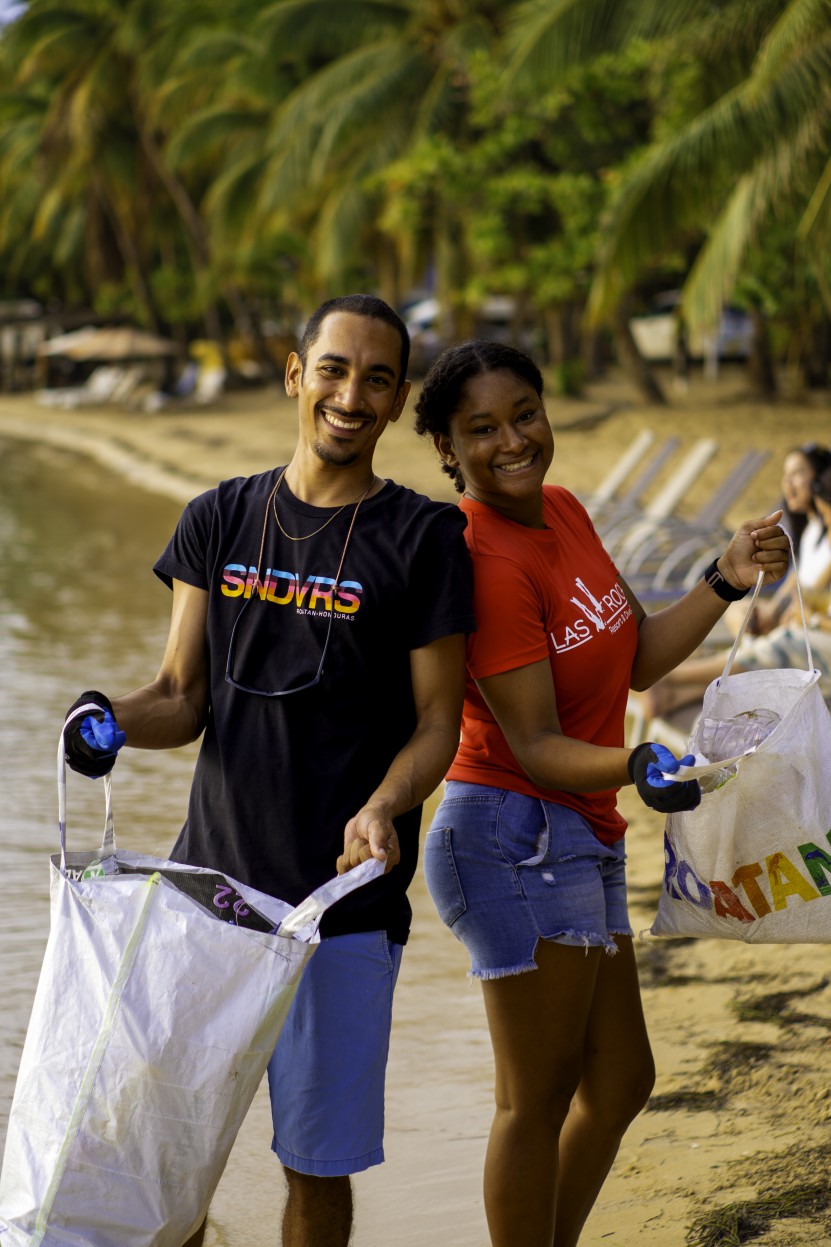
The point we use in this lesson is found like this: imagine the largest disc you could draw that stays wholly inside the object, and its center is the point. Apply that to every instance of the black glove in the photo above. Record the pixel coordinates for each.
(92, 741)
(646, 766)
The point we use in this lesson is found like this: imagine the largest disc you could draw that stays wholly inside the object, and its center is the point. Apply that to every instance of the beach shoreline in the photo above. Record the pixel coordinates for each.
(742, 1103)
(180, 451)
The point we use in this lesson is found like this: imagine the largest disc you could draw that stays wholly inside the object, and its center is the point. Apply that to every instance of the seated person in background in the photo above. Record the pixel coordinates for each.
(809, 533)
(780, 646)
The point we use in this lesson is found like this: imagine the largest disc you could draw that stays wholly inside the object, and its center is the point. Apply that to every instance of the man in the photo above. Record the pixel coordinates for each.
(317, 638)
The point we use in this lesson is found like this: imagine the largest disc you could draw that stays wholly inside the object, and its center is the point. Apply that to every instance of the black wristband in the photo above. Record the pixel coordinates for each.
(721, 587)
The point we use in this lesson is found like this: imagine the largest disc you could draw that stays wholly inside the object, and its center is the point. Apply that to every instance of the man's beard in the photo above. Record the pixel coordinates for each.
(340, 459)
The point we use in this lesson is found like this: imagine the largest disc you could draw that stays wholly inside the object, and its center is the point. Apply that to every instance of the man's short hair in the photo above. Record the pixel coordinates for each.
(358, 305)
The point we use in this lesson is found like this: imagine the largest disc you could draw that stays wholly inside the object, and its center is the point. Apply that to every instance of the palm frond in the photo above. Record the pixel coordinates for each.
(70, 237)
(90, 104)
(49, 211)
(799, 23)
(436, 104)
(340, 231)
(669, 191)
(71, 38)
(213, 128)
(19, 106)
(230, 197)
(717, 266)
(679, 181)
(379, 97)
(214, 49)
(310, 105)
(546, 38)
(307, 26)
(817, 216)
(301, 123)
(464, 39)
(799, 82)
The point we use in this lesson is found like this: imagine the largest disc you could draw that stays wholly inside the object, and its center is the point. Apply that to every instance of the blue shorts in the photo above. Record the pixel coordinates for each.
(505, 870)
(326, 1076)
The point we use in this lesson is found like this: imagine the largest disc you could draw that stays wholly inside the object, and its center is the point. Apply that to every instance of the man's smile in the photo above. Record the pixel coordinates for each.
(342, 422)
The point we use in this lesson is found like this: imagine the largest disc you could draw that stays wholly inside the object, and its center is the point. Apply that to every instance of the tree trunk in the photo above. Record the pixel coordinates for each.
(594, 353)
(133, 264)
(562, 326)
(633, 362)
(388, 278)
(560, 332)
(815, 357)
(249, 327)
(760, 365)
(451, 274)
(194, 231)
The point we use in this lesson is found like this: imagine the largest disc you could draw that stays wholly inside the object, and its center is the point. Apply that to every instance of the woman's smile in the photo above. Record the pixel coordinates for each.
(518, 465)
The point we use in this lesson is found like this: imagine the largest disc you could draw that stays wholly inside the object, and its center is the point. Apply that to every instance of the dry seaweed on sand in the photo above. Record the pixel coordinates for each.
(731, 1059)
(794, 1184)
(776, 1007)
(687, 1101)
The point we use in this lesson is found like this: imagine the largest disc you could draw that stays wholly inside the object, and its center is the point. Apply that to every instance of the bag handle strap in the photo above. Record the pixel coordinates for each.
(108, 841)
(310, 911)
(732, 655)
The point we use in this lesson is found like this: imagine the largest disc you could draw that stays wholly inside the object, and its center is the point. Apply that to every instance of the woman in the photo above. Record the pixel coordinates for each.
(774, 635)
(802, 518)
(784, 646)
(808, 531)
(818, 604)
(524, 858)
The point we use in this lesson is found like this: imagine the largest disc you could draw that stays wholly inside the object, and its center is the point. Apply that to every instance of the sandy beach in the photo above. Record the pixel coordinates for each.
(734, 1145)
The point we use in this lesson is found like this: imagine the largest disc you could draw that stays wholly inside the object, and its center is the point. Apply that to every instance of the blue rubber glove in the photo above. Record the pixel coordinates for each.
(646, 766)
(92, 741)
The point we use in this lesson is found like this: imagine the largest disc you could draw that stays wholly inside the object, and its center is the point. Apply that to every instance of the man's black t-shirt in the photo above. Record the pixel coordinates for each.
(278, 778)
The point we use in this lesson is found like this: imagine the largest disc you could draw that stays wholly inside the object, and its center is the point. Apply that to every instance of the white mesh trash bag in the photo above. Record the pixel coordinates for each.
(753, 861)
(162, 993)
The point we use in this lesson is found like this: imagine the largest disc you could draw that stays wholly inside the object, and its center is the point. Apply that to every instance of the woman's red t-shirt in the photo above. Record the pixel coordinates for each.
(547, 593)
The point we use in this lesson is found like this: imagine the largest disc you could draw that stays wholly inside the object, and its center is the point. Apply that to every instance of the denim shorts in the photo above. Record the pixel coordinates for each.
(326, 1076)
(505, 870)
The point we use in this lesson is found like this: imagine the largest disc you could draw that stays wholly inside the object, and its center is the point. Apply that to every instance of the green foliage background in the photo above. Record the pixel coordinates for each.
(203, 168)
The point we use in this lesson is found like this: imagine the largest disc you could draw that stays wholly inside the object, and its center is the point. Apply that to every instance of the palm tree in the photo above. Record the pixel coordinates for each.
(754, 148)
(371, 78)
(68, 108)
(84, 151)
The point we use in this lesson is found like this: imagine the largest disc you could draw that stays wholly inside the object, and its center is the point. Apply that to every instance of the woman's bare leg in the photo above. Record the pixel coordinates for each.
(538, 1022)
(618, 1076)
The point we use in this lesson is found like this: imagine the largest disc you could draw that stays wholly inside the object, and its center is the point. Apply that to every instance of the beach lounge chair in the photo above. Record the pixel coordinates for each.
(668, 555)
(198, 386)
(125, 388)
(209, 385)
(97, 388)
(690, 554)
(608, 488)
(625, 537)
(629, 503)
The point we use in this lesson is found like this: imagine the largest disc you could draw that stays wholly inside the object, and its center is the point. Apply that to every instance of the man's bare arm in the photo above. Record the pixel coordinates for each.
(172, 710)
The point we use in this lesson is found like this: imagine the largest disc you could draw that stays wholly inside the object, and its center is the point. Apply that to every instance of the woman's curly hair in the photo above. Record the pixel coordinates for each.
(441, 392)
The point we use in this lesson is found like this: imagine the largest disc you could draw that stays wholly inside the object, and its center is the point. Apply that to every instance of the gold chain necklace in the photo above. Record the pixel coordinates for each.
(356, 503)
